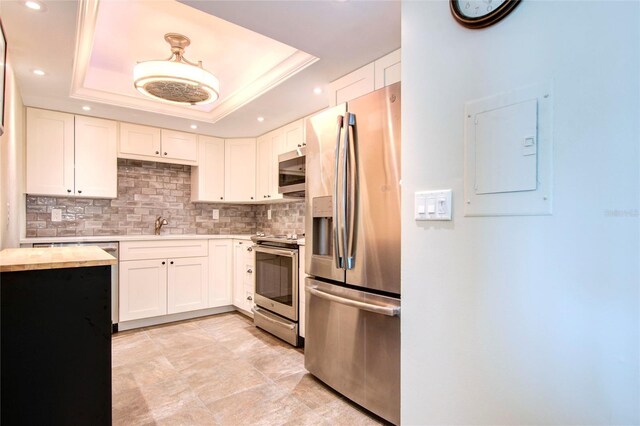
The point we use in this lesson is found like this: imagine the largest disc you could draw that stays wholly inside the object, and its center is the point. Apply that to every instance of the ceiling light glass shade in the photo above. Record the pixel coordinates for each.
(176, 82)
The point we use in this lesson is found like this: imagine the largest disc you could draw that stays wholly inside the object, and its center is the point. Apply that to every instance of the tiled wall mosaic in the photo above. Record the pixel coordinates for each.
(147, 190)
(286, 218)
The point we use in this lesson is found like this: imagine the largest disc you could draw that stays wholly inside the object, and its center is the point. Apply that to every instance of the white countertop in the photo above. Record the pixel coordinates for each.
(84, 239)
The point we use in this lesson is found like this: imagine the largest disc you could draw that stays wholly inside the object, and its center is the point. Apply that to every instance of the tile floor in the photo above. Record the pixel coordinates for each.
(219, 370)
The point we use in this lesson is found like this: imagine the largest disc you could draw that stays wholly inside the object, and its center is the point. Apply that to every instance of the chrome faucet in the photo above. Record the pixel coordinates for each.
(159, 222)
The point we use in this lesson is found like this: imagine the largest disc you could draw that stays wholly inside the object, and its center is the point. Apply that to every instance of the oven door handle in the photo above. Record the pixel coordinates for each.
(271, 320)
(278, 252)
(390, 311)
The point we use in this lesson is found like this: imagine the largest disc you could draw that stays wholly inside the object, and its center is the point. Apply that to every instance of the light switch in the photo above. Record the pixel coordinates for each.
(433, 205)
(216, 214)
(269, 214)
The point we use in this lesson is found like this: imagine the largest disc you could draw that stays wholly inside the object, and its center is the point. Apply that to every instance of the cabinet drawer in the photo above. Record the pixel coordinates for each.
(139, 250)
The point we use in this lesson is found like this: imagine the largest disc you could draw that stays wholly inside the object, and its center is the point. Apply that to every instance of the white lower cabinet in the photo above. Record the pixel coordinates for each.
(243, 276)
(220, 273)
(143, 289)
(187, 284)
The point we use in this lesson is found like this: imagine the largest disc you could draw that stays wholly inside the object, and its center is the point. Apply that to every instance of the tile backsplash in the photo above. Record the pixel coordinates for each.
(147, 190)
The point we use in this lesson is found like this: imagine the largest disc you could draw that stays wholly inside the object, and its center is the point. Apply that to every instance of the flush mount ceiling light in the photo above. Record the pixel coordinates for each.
(176, 80)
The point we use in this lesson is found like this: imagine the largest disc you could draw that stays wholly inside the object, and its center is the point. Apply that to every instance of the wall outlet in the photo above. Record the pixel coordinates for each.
(216, 214)
(56, 215)
(269, 214)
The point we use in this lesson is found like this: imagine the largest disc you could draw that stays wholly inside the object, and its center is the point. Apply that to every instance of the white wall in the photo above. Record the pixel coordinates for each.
(12, 202)
(524, 320)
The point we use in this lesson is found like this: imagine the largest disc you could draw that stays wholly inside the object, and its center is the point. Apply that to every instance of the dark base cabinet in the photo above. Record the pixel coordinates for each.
(55, 352)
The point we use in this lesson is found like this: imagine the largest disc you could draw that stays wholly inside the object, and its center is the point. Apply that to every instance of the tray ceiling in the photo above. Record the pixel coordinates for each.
(113, 36)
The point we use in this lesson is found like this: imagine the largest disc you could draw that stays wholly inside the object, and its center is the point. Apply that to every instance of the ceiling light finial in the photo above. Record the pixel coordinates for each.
(176, 79)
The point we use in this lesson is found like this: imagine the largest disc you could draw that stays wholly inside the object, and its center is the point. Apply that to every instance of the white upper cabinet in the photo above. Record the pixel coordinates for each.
(153, 144)
(264, 167)
(376, 75)
(353, 85)
(138, 142)
(50, 152)
(71, 155)
(240, 170)
(294, 135)
(207, 179)
(96, 162)
(387, 70)
(179, 146)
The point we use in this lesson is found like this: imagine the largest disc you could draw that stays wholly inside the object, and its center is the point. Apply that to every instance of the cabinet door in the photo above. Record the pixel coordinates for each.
(187, 286)
(207, 179)
(264, 168)
(50, 152)
(143, 289)
(96, 161)
(387, 70)
(179, 146)
(240, 170)
(301, 293)
(293, 134)
(220, 273)
(353, 85)
(139, 142)
(242, 274)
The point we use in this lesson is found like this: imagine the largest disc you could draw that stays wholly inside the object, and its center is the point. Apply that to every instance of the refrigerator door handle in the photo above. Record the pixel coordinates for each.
(390, 311)
(355, 185)
(345, 192)
(337, 253)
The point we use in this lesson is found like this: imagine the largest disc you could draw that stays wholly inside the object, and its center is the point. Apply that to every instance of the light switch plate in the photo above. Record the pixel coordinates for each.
(56, 215)
(433, 205)
(216, 214)
(269, 214)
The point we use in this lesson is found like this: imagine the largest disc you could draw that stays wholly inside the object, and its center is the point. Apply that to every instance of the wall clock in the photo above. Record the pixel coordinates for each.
(481, 13)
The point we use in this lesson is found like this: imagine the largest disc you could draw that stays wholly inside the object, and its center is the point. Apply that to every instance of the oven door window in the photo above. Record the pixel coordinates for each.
(291, 172)
(274, 276)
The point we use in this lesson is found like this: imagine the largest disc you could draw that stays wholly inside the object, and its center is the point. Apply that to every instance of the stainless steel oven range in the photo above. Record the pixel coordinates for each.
(276, 294)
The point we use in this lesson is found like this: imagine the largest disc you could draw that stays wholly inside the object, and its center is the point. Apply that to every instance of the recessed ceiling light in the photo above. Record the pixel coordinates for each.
(317, 90)
(193, 126)
(261, 119)
(34, 5)
(86, 108)
(38, 72)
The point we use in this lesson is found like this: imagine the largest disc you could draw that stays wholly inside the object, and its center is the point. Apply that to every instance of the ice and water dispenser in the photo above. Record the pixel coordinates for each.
(322, 208)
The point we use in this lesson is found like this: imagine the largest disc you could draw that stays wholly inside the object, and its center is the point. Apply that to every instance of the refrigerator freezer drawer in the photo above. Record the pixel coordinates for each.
(352, 344)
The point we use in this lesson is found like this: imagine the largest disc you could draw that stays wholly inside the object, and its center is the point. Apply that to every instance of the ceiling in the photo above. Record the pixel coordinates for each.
(269, 56)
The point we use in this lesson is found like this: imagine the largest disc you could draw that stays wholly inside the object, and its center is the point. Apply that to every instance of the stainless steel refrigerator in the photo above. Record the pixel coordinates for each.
(352, 340)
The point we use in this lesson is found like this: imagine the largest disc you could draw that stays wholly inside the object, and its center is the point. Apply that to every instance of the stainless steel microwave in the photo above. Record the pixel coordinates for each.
(291, 173)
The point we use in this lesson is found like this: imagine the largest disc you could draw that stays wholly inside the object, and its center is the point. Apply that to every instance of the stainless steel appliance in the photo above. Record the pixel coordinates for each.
(276, 281)
(111, 248)
(352, 337)
(291, 173)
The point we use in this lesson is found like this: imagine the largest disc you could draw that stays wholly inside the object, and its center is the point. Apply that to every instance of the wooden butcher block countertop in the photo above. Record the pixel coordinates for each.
(28, 259)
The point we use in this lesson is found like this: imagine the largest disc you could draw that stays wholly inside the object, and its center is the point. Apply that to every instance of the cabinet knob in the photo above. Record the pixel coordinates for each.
(264, 196)
(252, 198)
(68, 190)
(165, 153)
(268, 196)
(249, 271)
(164, 263)
(222, 198)
(157, 152)
(249, 298)
(249, 249)
(79, 191)
(171, 263)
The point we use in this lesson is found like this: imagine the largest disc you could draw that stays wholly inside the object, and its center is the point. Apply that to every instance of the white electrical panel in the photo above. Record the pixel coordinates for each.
(433, 205)
(508, 152)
